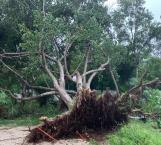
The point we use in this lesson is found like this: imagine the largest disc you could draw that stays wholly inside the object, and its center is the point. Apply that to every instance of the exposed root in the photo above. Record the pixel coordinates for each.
(89, 112)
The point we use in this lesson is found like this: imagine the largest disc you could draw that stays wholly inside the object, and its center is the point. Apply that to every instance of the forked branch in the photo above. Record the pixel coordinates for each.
(102, 67)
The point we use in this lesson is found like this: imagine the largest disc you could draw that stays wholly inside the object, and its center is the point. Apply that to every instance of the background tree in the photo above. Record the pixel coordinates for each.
(132, 27)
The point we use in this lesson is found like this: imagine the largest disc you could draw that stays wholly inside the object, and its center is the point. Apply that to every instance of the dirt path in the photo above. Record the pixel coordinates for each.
(16, 136)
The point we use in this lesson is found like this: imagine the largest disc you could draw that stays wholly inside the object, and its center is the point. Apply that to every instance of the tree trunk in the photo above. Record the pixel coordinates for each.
(79, 81)
(65, 97)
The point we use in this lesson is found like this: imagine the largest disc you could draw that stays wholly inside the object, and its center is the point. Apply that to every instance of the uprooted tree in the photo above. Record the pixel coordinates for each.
(86, 109)
(72, 47)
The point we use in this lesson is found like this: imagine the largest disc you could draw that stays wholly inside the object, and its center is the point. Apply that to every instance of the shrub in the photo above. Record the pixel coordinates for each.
(10, 108)
(151, 101)
(4, 100)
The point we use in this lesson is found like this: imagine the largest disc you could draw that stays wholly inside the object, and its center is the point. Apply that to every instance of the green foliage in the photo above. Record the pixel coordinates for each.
(84, 27)
(12, 109)
(153, 67)
(20, 121)
(159, 124)
(30, 113)
(4, 99)
(132, 23)
(133, 81)
(17, 119)
(135, 133)
(87, 23)
(126, 35)
(151, 101)
(93, 142)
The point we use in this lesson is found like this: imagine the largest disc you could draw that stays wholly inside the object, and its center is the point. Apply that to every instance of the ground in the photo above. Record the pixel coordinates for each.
(132, 133)
(16, 136)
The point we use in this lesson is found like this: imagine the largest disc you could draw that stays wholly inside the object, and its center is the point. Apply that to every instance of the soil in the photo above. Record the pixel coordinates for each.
(16, 136)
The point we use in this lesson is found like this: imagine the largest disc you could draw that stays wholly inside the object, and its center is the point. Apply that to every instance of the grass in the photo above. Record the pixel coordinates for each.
(33, 113)
(136, 133)
(29, 120)
(22, 121)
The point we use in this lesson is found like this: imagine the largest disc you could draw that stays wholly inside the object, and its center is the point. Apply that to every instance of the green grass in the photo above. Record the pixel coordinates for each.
(136, 133)
(23, 121)
(30, 116)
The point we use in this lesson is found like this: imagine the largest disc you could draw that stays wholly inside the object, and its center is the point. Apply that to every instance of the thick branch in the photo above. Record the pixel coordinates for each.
(93, 71)
(85, 66)
(29, 98)
(25, 81)
(12, 55)
(63, 94)
(136, 87)
(61, 69)
(61, 79)
(152, 83)
(79, 81)
(115, 82)
(17, 74)
(65, 61)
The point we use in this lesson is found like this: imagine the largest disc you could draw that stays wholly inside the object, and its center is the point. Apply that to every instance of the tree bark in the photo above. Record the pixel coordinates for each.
(79, 81)
(62, 92)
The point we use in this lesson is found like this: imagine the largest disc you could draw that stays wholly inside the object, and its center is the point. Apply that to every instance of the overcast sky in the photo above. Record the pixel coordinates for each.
(153, 5)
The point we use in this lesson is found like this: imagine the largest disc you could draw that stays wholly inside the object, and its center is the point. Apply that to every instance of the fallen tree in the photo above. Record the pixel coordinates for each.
(85, 110)
(88, 112)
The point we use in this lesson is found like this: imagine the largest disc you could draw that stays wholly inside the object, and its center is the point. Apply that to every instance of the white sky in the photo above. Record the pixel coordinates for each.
(153, 5)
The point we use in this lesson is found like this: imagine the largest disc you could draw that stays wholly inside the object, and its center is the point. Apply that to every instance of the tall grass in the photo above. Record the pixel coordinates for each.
(136, 133)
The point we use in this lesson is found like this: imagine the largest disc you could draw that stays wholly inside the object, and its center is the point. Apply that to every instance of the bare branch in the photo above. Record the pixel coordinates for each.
(50, 57)
(138, 86)
(65, 61)
(93, 71)
(86, 66)
(76, 70)
(17, 74)
(25, 81)
(39, 96)
(102, 66)
(115, 82)
(16, 54)
(62, 92)
(50, 89)
(152, 83)
(61, 79)
(61, 69)
(30, 98)
(79, 81)
(48, 70)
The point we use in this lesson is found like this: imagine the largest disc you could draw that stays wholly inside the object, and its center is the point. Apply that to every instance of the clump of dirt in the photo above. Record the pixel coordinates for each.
(88, 113)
